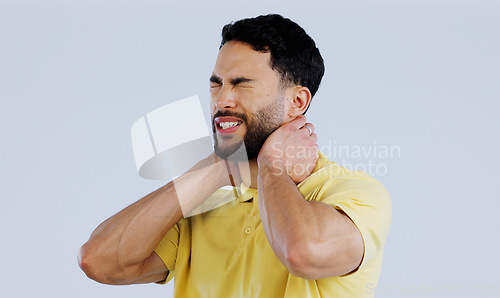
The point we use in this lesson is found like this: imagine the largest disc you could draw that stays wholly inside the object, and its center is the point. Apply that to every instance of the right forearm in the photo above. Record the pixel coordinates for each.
(126, 239)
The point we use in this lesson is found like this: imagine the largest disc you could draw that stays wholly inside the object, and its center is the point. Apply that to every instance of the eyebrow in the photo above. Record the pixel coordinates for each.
(240, 80)
(235, 81)
(215, 79)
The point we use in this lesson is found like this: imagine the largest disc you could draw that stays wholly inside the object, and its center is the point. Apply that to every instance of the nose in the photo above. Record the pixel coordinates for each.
(225, 99)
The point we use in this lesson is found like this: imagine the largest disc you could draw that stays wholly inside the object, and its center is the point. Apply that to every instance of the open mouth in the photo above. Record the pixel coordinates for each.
(227, 124)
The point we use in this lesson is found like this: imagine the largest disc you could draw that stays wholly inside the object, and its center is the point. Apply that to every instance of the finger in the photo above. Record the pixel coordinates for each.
(314, 138)
(298, 122)
(313, 148)
(306, 130)
(310, 125)
(316, 151)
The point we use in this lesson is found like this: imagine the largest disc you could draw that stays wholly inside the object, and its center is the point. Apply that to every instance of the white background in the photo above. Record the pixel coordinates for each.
(420, 75)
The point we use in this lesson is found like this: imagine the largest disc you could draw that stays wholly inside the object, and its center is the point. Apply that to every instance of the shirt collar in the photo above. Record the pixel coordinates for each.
(246, 193)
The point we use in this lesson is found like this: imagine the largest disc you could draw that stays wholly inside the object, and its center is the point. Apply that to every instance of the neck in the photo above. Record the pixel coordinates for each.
(248, 172)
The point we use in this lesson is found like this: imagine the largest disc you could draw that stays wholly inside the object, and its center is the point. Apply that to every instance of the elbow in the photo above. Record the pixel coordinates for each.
(88, 262)
(313, 262)
(97, 269)
(298, 262)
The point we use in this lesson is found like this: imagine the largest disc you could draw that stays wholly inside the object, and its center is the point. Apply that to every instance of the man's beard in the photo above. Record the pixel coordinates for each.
(264, 123)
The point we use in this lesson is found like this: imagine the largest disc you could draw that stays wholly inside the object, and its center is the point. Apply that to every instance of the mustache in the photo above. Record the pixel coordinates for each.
(229, 113)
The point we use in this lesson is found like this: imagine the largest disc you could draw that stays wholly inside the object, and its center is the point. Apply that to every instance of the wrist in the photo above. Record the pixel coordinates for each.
(274, 167)
(213, 170)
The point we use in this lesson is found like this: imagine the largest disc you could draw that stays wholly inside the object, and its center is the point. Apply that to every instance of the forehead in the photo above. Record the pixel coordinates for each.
(236, 59)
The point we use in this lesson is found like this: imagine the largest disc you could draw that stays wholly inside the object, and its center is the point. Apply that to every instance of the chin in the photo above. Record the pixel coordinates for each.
(236, 152)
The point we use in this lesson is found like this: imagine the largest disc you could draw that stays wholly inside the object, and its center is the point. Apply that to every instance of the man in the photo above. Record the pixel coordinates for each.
(300, 226)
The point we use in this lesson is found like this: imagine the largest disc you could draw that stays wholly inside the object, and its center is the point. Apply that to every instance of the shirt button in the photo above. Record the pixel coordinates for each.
(248, 231)
(255, 212)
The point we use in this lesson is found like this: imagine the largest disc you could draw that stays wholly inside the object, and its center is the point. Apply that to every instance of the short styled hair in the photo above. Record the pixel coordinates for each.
(293, 53)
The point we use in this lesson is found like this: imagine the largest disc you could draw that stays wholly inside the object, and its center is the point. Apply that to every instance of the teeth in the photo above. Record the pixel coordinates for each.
(225, 125)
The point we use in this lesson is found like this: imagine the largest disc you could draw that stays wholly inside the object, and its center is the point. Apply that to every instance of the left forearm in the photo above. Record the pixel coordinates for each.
(279, 197)
(290, 222)
(311, 239)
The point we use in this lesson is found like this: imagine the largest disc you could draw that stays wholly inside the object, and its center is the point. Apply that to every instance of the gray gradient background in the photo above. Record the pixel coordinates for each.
(422, 75)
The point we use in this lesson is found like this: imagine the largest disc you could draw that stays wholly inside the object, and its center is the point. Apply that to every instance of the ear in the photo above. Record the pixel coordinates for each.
(301, 98)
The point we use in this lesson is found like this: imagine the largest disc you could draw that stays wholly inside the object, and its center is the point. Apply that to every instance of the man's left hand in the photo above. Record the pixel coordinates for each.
(292, 149)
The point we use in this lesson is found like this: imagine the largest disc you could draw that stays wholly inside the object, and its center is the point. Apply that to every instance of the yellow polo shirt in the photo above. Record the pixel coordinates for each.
(224, 252)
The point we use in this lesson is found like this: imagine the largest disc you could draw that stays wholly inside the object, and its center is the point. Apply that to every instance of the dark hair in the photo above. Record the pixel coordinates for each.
(293, 53)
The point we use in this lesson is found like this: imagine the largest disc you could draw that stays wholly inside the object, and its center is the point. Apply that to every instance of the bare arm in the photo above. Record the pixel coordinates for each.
(120, 250)
(311, 239)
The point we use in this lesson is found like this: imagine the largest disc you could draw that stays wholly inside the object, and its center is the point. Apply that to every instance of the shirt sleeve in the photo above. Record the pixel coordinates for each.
(367, 203)
(167, 250)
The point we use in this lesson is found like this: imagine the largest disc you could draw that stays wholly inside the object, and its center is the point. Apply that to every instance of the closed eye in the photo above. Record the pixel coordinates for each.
(240, 81)
(215, 82)
(214, 79)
